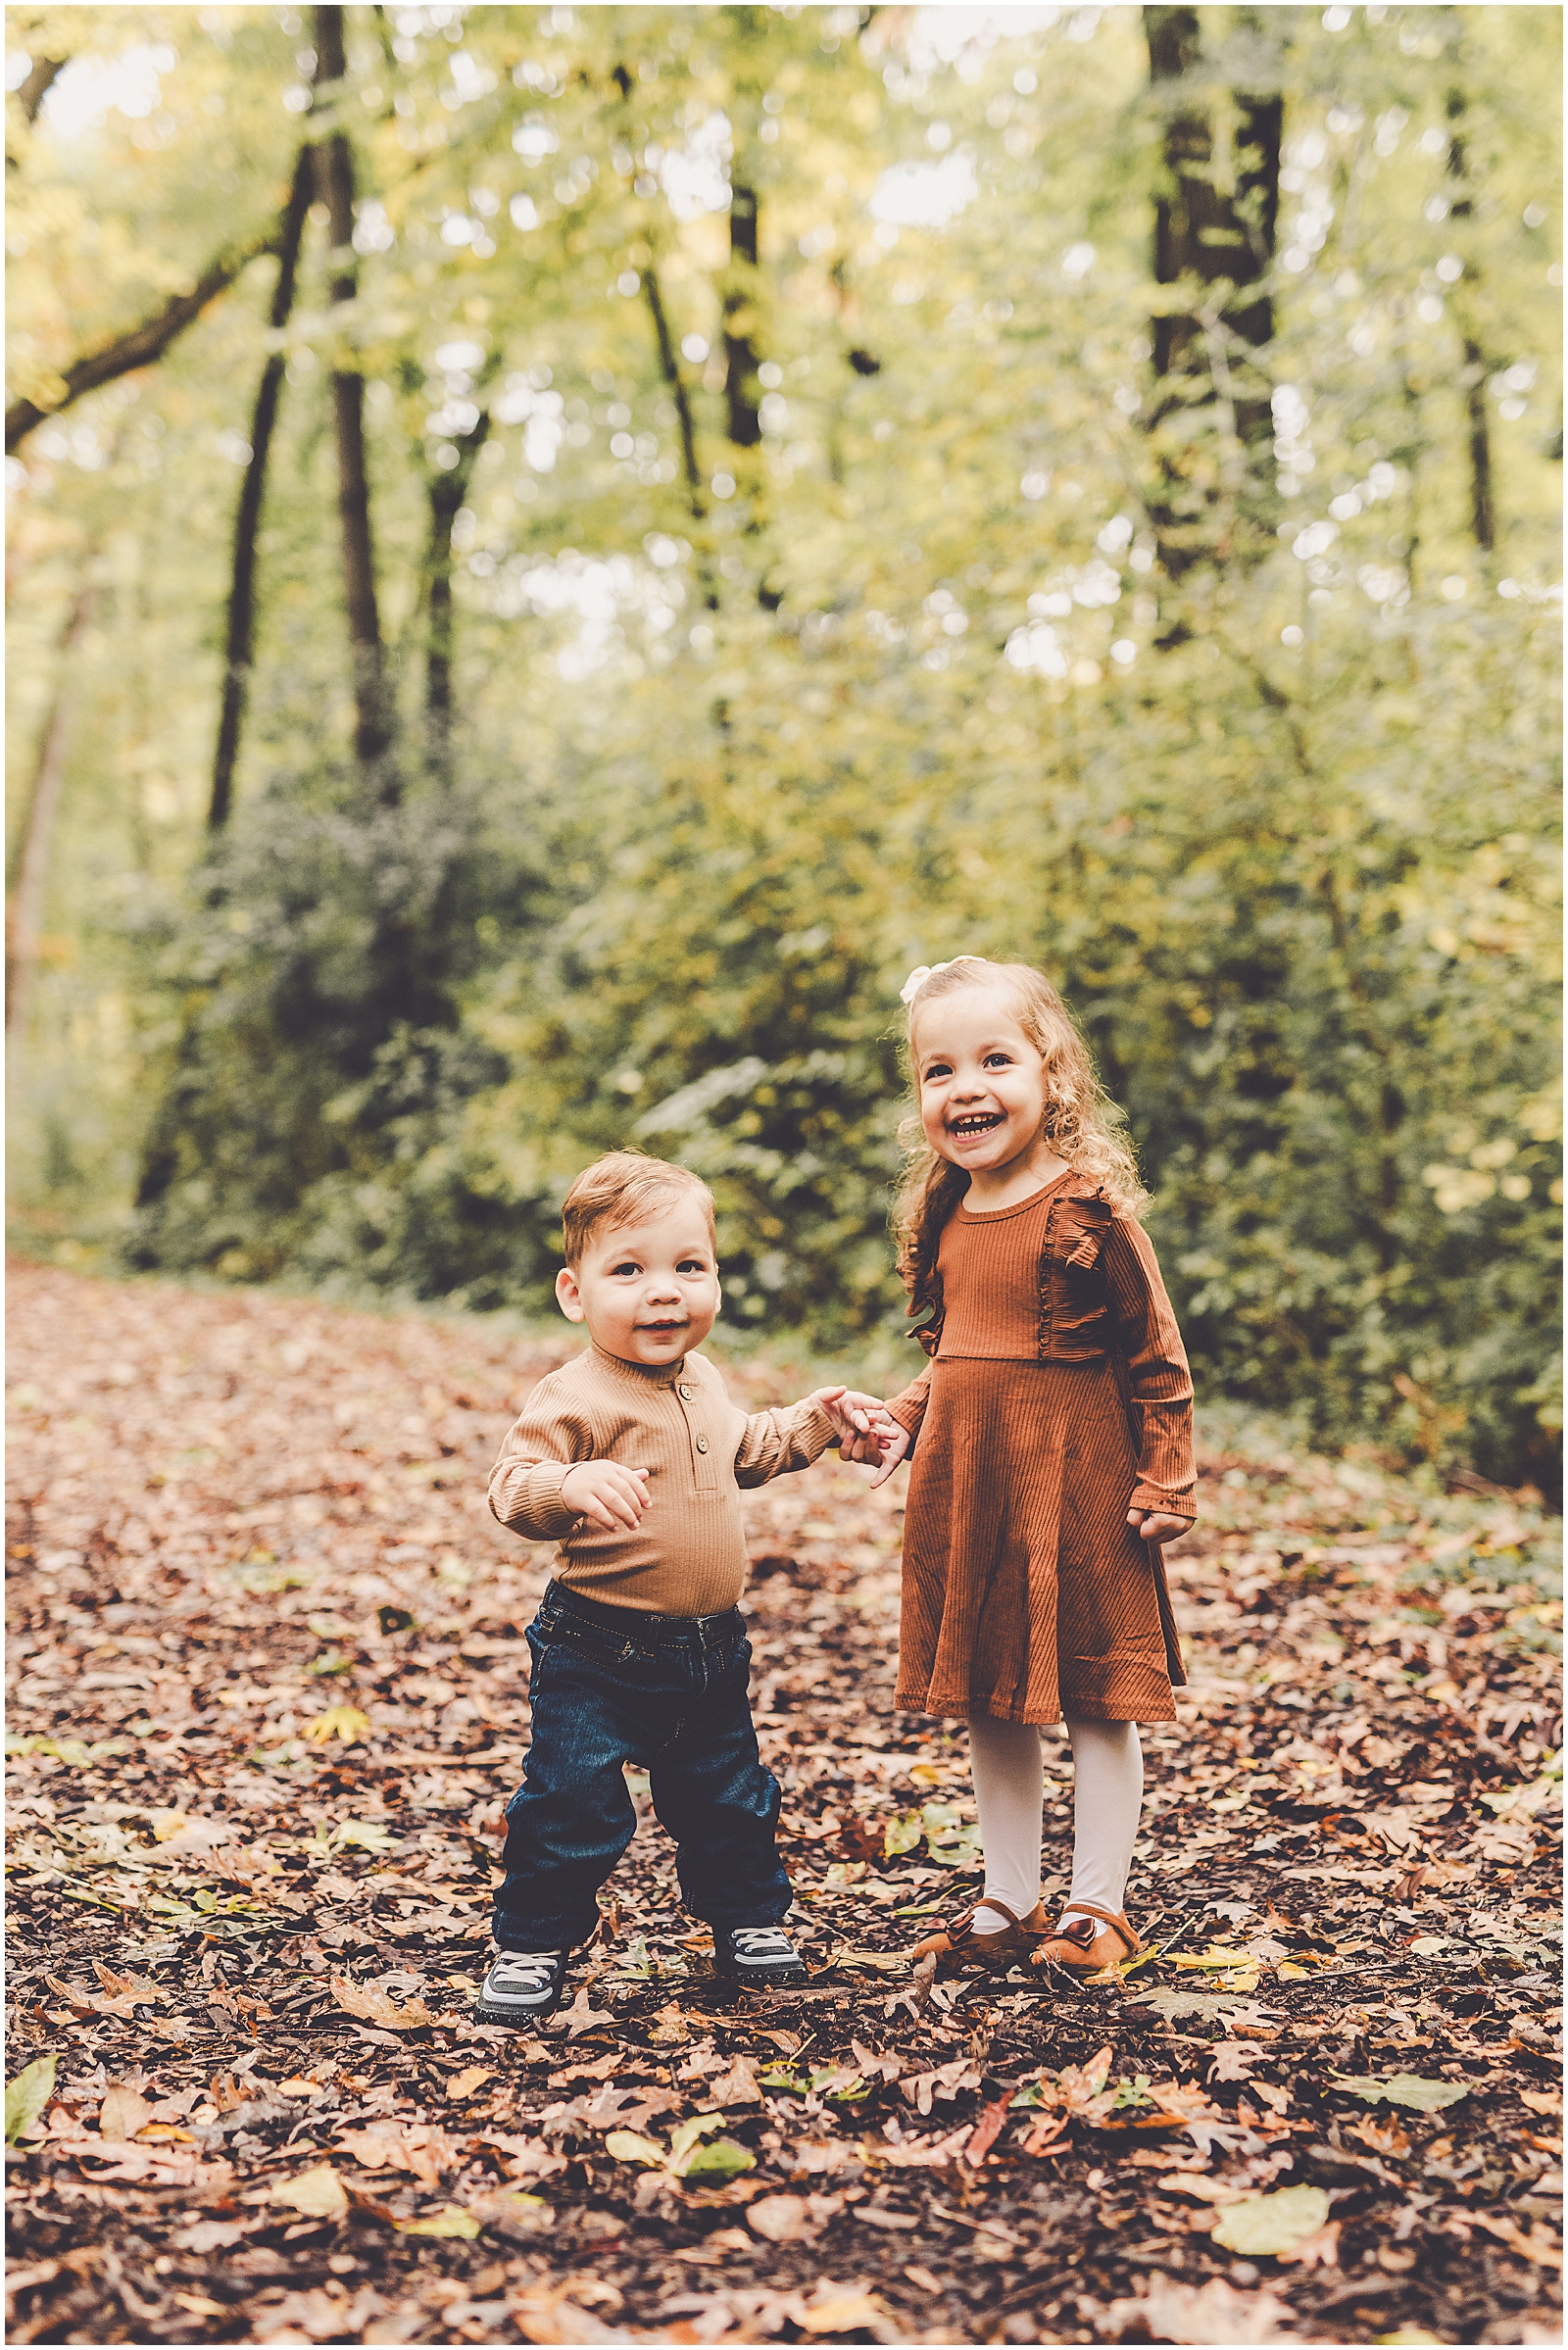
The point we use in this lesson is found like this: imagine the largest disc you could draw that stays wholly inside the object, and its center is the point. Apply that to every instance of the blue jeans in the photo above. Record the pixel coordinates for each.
(612, 1685)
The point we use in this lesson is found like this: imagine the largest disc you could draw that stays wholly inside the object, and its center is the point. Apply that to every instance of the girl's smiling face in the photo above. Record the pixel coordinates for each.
(983, 1084)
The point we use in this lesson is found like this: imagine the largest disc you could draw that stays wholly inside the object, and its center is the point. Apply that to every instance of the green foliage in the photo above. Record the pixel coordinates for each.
(903, 678)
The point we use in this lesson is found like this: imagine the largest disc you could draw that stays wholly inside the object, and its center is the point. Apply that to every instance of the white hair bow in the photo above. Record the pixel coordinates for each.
(925, 971)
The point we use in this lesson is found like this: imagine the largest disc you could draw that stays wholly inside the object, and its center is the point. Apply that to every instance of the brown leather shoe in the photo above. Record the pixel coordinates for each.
(963, 1946)
(1080, 1949)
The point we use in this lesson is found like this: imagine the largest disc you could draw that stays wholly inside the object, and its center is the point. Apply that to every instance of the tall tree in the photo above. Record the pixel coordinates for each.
(446, 493)
(1472, 380)
(1214, 228)
(334, 180)
(240, 641)
(35, 833)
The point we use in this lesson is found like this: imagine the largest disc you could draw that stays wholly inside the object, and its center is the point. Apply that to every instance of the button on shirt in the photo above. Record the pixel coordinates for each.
(688, 1555)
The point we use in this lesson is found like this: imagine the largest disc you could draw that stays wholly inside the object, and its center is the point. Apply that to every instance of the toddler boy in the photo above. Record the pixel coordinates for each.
(633, 1457)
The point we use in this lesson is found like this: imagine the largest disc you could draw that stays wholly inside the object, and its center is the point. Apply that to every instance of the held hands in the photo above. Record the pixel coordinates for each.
(608, 1495)
(867, 1430)
(1157, 1525)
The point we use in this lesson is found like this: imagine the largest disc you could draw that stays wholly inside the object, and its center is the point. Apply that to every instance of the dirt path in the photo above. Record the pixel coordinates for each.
(268, 1695)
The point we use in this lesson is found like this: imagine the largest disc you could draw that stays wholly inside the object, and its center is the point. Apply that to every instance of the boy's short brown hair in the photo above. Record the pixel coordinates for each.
(619, 1189)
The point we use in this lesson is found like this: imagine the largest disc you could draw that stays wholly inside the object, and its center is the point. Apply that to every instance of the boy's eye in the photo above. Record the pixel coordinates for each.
(691, 1264)
(628, 1267)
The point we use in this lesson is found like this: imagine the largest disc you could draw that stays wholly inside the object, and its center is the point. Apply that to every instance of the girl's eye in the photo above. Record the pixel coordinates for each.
(938, 1068)
(1001, 1060)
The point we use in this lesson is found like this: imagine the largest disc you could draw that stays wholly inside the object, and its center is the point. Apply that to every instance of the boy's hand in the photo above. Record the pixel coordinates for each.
(1157, 1525)
(866, 1430)
(859, 1420)
(605, 1495)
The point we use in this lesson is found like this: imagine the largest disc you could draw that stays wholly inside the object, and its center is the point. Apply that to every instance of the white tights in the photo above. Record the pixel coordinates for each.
(1007, 1767)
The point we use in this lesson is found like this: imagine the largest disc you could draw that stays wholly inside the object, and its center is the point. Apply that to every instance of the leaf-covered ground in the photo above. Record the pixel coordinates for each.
(268, 1696)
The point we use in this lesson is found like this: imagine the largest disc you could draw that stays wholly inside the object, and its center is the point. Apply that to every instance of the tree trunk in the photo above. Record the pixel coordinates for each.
(669, 369)
(1223, 240)
(447, 495)
(334, 165)
(743, 394)
(240, 645)
(36, 833)
(1472, 380)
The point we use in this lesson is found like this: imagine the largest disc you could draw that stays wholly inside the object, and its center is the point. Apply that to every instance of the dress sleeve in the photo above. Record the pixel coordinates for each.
(1159, 1383)
(909, 1406)
(775, 1442)
(545, 1440)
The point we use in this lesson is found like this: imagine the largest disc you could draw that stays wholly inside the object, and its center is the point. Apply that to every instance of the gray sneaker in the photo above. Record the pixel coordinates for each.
(757, 1954)
(522, 1987)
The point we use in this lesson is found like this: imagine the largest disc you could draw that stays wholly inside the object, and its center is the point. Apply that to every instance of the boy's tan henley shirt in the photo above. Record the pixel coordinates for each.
(688, 1555)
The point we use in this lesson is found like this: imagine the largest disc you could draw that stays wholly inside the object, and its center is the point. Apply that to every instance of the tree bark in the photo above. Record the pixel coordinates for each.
(240, 642)
(1219, 239)
(669, 369)
(447, 494)
(743, 394)
(1472, 380)
(36, 835)
(142, 344)
(334, 163)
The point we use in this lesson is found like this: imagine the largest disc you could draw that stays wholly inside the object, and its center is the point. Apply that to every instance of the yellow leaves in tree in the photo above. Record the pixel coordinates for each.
(345, 1723)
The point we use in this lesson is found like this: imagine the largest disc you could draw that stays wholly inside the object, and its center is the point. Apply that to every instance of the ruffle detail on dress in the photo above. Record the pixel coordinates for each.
(1083, 1223)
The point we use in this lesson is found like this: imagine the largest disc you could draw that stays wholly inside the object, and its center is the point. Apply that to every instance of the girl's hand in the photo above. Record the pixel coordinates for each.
(608, 1495)
(1157, 1525)
(894, 1440)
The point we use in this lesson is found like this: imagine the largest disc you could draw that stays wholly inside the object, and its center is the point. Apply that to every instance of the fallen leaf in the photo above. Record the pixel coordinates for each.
(845, 2312)
(122, 2113)
(199, 2305)
(625, 2145)
(1402, 2088)
(379, 2007)
(1389, 2137)
(345, 1723)
(738, 2086)
(28, 2096)
(318, 2193)
(781, 2219)
(1213, 2313)
(450, 2220)
(1541, 2101)
(1233, 2060)
(1540, 2245)
(464, 2085)
(1272, 2226)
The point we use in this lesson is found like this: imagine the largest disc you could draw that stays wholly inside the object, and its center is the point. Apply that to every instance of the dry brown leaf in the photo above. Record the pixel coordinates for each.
(124, 2112)
(1214, 2313)
(318, 2193)
(379, 2007)
(737, 2087)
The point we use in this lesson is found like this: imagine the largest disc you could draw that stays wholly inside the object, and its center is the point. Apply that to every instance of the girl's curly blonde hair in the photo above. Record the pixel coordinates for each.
(1080, 1124)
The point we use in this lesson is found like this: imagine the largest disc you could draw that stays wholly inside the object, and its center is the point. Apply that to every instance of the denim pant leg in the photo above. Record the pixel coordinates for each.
(711, 1792)
(574, 1817)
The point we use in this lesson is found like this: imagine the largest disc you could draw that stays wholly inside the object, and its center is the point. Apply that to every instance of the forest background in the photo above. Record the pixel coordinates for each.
(556, 553)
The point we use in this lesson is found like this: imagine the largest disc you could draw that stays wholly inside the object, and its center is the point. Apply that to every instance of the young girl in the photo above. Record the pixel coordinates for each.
(1052, 1450)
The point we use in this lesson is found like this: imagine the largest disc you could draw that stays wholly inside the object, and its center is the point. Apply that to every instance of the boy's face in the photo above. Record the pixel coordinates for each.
(649, 1291)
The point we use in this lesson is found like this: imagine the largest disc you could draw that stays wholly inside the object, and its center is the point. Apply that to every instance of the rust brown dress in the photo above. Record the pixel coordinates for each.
(1059, 1395)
